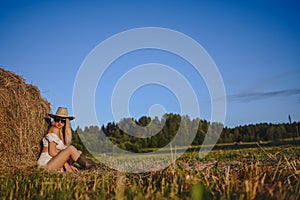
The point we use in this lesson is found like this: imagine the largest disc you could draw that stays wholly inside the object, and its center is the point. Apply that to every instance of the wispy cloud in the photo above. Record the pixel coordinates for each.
(254, 96)
(282, 77)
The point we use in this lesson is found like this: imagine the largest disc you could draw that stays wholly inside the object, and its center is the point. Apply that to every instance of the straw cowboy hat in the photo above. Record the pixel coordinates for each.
(61, 112)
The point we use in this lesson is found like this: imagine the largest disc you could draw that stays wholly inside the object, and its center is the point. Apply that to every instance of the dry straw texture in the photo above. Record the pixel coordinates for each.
(23, 122)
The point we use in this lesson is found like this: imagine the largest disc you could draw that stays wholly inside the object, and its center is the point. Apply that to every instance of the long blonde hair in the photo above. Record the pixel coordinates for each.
(68, 132)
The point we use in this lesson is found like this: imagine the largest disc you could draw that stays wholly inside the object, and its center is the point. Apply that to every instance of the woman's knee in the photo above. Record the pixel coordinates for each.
(71, 148)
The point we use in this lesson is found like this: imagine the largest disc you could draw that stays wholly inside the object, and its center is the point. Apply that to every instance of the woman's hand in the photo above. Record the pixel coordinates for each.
(74, 169)
(70, 168)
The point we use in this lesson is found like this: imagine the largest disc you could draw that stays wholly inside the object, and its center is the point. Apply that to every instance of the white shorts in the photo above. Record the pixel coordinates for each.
(43, 159)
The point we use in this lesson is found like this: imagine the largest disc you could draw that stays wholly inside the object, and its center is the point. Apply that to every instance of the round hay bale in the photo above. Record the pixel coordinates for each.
(23, 114)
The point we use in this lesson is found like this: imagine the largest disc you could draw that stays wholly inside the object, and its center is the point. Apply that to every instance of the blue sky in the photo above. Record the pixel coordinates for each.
(255, 45)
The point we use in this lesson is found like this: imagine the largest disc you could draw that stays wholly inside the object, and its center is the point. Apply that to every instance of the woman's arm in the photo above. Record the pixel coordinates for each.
(52, 150)
(67, 167)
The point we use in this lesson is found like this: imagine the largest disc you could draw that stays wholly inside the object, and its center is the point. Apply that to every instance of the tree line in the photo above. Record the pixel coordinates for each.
(146, 133)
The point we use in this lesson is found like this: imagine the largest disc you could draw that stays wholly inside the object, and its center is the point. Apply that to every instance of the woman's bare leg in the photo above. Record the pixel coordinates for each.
(59, 160)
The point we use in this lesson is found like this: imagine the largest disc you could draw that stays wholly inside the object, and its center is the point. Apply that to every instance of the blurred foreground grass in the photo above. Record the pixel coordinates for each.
(256, 173)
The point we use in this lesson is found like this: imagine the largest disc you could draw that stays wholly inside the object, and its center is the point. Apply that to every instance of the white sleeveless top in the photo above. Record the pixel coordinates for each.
(52, 137)
(45, 157)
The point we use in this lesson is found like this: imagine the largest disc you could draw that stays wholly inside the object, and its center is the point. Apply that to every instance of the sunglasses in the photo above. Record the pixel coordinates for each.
(60, 120)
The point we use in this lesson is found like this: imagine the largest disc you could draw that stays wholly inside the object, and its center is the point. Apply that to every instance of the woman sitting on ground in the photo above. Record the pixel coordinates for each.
(57, 153)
